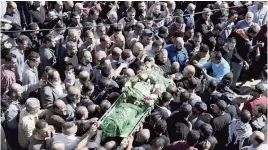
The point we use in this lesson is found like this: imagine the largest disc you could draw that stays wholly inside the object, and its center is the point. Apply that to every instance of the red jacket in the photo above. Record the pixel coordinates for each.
(249, 105)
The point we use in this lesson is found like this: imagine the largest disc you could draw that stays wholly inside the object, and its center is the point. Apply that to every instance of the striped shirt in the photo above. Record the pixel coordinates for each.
(14, 18)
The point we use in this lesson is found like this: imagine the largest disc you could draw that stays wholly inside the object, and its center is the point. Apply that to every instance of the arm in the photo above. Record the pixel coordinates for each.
(207, 65)
(204, 29)
(28, 129)
(86, 137)
(150, 10)
(46, 97)
(242, 98)
(166, 12)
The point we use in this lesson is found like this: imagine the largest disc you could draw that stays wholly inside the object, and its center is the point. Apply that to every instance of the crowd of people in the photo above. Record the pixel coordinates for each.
(64, 64)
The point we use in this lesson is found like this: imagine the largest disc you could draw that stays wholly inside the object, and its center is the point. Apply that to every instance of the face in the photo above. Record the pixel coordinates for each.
(62, 110)
(185, 72)
(197, 41)
(18, 93)
(249, 18)
(138, 30)
(72, 51)
(52, 43)
(131, 15)
(96, 15)
(189, 33)
(51, 15)
(215, 109)
(87, 58)
(202, 54)
(74, 97)
(73, 36)
(44, 132)
(163, 57)
(142, 7)
(59, 7)
(206, 15)
(179, 45)
(234, 18)
(178, 24)
(36, 62)
(101, 31)
(23, 45)
(56, 80)
(148, 24)
(124, 143)
(76, 19)
(157, 9)
(157, 49)
(137, 51)
(191, 10)
(113, 18)
(107, 43)
(231, 45)
(69, 74)
(147, 40)
(213, 59)
(13, 63)
(128, 3)
(13, 9)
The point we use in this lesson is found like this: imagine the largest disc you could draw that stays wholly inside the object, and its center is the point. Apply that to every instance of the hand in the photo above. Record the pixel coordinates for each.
(93, 129)
(124, 65)
(52, 132)
(260, 44)
(246, 65)
(42, 82)
(206, 145)
(7, 45)
(195, 62)
(204, 71)
(130, 139)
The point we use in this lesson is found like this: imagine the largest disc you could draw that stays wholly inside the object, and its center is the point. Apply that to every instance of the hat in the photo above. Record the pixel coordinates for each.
(201, 106)
(147, 32)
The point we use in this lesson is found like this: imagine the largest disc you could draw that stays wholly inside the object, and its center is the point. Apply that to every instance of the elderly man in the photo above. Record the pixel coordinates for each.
(85, 64)
(247, 22)
(28, 118)
(59, 108)
(52, 90)
(219, 66)
(189, 14)
(257, 140)
(12, 13)
(177, 52)
(260, 12)
(112, 19)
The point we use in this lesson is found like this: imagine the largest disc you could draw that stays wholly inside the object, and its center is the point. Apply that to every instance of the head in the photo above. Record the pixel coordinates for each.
(199, 108)
(245, 116)
(179, 22)
(212, 85)
(163, 56)
(59, 27)
(83, 77)
(158, 143)
(189, 31)
(34, 59)
(73, 94)
(105, 41)
(259, 110)
(42, 129)
(157, 9)
(217, 29)
(131, 12)
(37, 4)
(154, 118)
(69, 72)
(11, 61)
(112, 16)
(253, 30)
(94, 13)
(71, 48)
(197, 39)
(249, 17)
(73, 35)
(32, 105)
(105, 105)
(75, 17)
(179, 44)
(260, 5)
(69, 128)
(216, 57)
(163, 32)
(224, 8)
(139, 27)
(191, 8)
(219, 107)
(137, 49)
(51, 15)
(110, 145)
(68, 5)
(11, 7)
(15, 91)
(89, 37)
(120, 41)
(22, 42)
(59, 6)
(193, 137)
(171, 5)
(233, 15)
(86, 57)
(53, 77)
(157, 46)
(50, 41)
(81, 113)
(147, 37)
(257, 138)
(165, 99)
(175, 67)
(126, 55)
(188, 71)
(185, 110)
(143, 136)
(205, 130)
(203, 51)
(33, 26)
(78, 8)
(116, 53)
(231, 43)
(129, 72)
(124, 143)
(258, 90)
(149, 22)
(88, 88)
(60, 107)
(206, 13)
(142, 6)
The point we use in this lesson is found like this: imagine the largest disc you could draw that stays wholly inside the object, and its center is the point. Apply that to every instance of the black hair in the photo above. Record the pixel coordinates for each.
(48, 38)
(88, 86)
(32, 26)
(106, 71)
(160, 126)
(131, 9)
(197, 35)
(189, 27)
(192, 84)
(40, 124)
(33, 56)
(69, 67)
(158, 142)
(204, 48)
(157, 43)
(60, 24)
(245, 116)
(192, 137)
(218, 55)
(232, 13)
(185, 110)
(9, 57)
(261, 108)
(212, 85)
(126, 54)
(231, 40)
(73, 14)
(21, 39)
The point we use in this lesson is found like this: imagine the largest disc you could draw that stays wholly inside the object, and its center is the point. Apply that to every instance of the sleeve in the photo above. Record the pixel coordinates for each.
(31, 87)
(219, 75)
(205, 65)
(28, 128)
(11, 115)
(46, 98)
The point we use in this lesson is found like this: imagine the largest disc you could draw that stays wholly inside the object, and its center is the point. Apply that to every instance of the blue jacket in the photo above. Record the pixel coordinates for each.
(177, 56)
(219, 70)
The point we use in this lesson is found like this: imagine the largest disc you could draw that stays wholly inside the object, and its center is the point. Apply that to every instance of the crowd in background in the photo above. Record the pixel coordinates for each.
(64, 64)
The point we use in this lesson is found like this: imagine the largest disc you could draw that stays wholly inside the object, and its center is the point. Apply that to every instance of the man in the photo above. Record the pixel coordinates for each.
(115, 57)
(239, 131)
(28, 118)
(105, 43)
(163, 62)
(201, 57)
(12, 13)
(206, 131)
(222, 15)
(177, 53)
(155, 12)
(146, 39)
(75, 18)
(141, 12)
(42, 135)
(188, 144)
(73, 98)
(58, 8)
(166, 98)
(257, 140)
(83, 77)
(71, 54)
(52, 90)
(218, 64)
(67, 136)
(134, 36)
(176, 27)
(47, 53)
(130, 19)
(85, 64)
(199, 115)
(260, 12)
(156, 49)
(35, 36)
(247, 22)
(19, 50)
(112, 18)
(88, 44)
(162, 35)
(189, 14)
(179, 122)
(142, 139)
(193, 45)
(258, 117)
(189, 32)
(228, 49)
(244, 48)
(220, 123)
(13, 98)
(30, 73)
(8, 76)
(58, 108)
